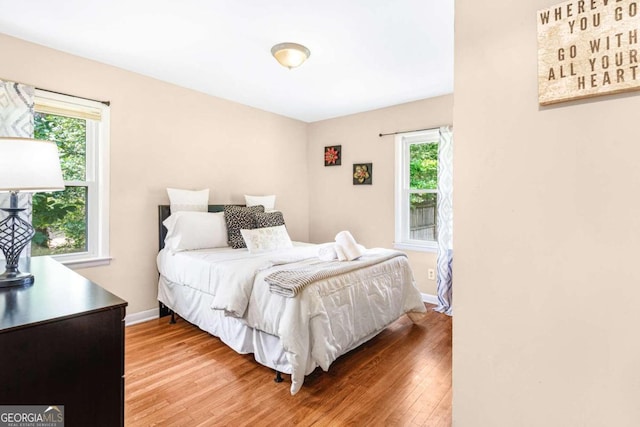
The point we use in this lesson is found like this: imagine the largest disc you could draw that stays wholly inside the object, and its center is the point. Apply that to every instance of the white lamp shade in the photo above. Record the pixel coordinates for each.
(29, 165)
(290, 55)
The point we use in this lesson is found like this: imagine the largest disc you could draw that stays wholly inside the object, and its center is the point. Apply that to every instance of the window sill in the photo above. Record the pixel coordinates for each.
(415, 247)
(83, 262)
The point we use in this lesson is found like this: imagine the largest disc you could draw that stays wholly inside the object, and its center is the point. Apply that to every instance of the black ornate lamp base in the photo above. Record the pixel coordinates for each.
(9, 280)
(15, 234)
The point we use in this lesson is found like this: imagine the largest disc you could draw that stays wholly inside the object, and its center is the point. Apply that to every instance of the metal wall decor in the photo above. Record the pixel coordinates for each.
(362, 173)
(333, 155)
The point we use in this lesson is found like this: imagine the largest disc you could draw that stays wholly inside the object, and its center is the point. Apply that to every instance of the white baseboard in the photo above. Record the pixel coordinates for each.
(431, 299)
(143, 316)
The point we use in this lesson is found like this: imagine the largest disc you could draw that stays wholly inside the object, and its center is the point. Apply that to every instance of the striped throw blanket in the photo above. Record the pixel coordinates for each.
(291, 281)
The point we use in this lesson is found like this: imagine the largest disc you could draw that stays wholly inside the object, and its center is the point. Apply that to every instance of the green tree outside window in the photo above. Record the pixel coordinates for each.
(60, 218)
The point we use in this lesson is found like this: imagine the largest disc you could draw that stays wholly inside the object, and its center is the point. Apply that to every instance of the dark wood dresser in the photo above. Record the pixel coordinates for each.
(62, 343)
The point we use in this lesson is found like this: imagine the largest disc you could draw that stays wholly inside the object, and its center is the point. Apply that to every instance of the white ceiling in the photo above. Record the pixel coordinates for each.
(365, 54)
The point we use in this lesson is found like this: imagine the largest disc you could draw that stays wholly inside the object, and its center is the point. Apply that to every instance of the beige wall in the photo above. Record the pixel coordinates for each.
(367, 211)
(547, 238)
(163, 135)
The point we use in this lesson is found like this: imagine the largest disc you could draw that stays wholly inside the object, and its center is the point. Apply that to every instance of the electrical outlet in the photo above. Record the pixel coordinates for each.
(431, 274)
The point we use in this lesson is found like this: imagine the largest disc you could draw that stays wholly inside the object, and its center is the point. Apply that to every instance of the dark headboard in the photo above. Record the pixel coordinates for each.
(163, 213)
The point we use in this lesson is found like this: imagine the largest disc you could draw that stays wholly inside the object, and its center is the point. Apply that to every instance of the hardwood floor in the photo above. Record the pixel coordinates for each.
(178, 375)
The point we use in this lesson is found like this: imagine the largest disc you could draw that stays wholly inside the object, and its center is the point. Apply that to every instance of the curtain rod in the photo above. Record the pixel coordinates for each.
(407, 131)
(107, 103)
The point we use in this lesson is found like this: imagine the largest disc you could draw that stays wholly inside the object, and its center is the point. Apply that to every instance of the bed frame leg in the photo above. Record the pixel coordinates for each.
(173, 318)
(278, 377)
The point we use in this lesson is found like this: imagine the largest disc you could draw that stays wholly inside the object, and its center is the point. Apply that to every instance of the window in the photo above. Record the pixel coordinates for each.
(72, 225)
(417, 190)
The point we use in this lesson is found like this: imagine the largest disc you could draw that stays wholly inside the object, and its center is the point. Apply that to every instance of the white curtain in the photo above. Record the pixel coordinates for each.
(16, 119)
(445, 221)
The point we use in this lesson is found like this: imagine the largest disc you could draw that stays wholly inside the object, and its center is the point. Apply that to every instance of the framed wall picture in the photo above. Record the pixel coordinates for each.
(333, 155)
(362, 173)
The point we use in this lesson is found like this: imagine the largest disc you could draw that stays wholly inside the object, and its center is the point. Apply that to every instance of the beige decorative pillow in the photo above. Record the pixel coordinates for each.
(267, 239)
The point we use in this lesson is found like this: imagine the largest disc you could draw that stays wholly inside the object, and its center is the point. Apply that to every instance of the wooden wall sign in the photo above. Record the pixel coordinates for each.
(588, 48)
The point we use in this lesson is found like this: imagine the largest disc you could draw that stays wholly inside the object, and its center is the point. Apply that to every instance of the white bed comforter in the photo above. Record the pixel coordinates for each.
(327, 319)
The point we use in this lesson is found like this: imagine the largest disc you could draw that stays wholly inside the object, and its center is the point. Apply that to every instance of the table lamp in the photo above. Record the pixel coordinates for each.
(31, 166)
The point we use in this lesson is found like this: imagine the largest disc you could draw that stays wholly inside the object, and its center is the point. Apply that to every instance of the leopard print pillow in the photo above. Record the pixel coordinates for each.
(269, 219)
(237, 218)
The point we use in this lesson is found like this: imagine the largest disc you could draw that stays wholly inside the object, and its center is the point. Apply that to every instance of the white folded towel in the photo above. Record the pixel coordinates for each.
(327, 252)
(347, 248)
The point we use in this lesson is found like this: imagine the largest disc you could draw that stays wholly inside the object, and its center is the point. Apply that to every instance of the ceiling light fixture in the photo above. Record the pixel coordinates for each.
(290, 55)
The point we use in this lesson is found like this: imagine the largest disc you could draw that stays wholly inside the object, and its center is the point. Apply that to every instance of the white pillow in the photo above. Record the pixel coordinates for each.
(269, 202)
(188, 200)
(195, 230)
(266, 239)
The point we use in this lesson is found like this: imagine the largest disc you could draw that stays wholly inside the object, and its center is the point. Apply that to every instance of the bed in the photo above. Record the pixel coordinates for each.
(229, 293)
